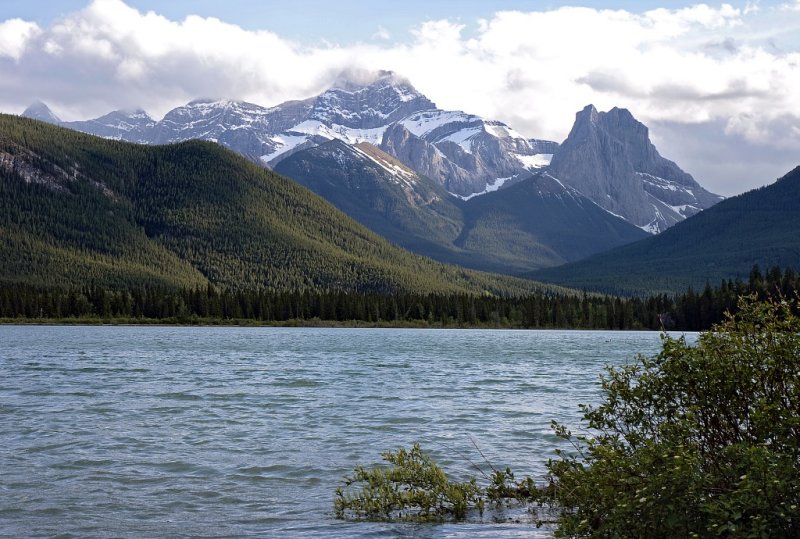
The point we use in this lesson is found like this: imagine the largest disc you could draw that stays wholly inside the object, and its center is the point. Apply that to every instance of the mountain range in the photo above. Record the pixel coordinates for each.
(462, 152)
(75, 208)
(607, 157)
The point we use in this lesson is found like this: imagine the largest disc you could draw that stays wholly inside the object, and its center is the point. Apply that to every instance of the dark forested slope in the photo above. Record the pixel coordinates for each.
(540, 222)
(723, 242)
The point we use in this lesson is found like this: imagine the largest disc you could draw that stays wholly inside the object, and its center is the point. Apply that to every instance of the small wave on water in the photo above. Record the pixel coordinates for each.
(297, 383)
(180, 396)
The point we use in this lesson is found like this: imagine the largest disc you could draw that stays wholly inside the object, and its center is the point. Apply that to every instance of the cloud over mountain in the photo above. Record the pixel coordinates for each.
(689, 68)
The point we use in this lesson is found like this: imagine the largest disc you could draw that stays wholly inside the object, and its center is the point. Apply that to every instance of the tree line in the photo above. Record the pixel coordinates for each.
(690, 311)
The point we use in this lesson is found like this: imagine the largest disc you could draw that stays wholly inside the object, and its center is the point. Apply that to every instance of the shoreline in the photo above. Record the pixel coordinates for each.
(293, 323)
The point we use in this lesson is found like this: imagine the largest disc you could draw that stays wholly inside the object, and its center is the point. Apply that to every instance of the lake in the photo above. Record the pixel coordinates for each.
(208, 432)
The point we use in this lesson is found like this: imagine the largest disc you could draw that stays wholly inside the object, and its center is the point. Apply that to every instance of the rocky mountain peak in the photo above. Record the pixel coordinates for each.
(222, 110)
(589, 113)
(617, 120)
(365, 100)
(138, 114)
(204, 101)
(586, 122)
(609, 158)
(622, 122)
(39, 111)
(352, 80)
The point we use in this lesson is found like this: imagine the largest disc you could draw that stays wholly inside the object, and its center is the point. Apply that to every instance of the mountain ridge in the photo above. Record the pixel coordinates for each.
(357, 108)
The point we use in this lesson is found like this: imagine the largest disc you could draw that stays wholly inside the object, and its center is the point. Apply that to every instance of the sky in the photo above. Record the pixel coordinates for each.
(718, 84)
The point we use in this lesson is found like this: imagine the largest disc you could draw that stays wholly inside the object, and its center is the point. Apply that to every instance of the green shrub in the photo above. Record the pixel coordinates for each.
(413, 488)
(699, 441)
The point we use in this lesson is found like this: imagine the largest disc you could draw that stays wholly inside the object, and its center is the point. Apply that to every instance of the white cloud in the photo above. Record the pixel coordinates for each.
(536, 69)
(751, 7)
(382, 33)
(15, 35)
(689, 67)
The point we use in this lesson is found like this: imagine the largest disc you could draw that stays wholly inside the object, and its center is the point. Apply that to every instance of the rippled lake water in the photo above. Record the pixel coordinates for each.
(208, 432)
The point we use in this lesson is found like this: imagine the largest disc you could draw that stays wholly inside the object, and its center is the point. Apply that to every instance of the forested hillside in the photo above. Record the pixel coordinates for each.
(408, 209)
(723, 242)
(76, 209)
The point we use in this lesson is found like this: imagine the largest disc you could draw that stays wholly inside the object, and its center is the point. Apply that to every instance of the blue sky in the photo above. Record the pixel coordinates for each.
(340, 21)
(716, 83)
(301, 16)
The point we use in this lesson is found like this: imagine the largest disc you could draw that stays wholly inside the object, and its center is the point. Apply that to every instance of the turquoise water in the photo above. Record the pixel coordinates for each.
(208, 432)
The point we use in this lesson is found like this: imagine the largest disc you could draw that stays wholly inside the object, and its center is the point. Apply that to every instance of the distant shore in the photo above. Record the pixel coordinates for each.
(294, 323)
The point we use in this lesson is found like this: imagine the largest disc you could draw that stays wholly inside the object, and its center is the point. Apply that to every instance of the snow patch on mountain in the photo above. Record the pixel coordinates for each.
(490, 188)
(662, 183)
(535, 161)
(425, 122)
(284, 143)
(656, 225)
(308, 130)
(501, 130)
(463, 137)
(400, 174)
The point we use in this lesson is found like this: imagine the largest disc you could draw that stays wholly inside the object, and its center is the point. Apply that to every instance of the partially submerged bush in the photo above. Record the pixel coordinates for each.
(413, 488)
(698, 441)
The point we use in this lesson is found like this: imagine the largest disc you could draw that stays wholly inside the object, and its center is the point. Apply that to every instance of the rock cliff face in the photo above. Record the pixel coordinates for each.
(609, 158)
(428, 160)
(472, 152)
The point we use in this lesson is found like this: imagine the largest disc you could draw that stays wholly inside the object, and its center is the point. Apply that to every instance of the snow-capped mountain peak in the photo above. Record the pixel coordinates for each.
(385, 99)
(356, 81)
(40, 111)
